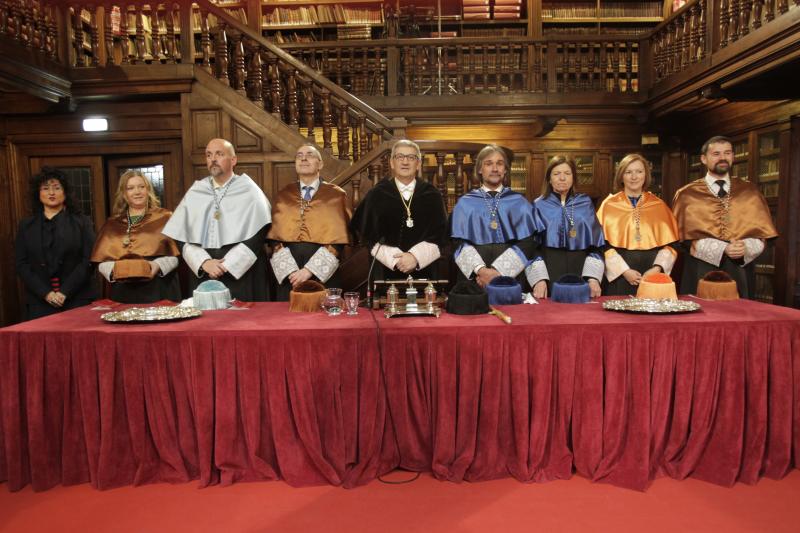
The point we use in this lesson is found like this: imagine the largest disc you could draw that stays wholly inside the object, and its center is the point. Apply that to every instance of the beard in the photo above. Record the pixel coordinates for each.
(722, 167)
(215, 170)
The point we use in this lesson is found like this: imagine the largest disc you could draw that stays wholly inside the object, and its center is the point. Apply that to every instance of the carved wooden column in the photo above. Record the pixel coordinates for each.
(744, 17)
(701, 40)
(724, 21)
(363, 136)
(758, 6)
(343, 133)
(327, 122)
(77, 35)
(274, 87)
(205, 43)
(108, 33)
(221, 54)
(171, 46)
(308, 110)
(255, 83)
(140, 45)
(124, 39)
(460, 177)
(769, 14)
(291, 99)
(783, 6)
(239, 63)
(356, 143)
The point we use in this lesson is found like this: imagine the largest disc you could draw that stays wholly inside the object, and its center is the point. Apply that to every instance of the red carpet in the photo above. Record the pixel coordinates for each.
(426, 505)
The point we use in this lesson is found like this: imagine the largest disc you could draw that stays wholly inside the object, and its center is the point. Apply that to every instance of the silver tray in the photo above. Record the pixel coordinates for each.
(151, 314)
(646, 305)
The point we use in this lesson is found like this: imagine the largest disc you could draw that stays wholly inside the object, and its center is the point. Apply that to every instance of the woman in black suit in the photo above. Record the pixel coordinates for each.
(53, 249)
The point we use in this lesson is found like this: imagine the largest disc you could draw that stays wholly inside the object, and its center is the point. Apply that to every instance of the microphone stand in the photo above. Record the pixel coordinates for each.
(369, 275)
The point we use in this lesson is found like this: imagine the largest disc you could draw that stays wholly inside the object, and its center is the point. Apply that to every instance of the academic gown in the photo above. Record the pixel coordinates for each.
(700, 214)
(471, 225)
(381, 218)
(561, 253)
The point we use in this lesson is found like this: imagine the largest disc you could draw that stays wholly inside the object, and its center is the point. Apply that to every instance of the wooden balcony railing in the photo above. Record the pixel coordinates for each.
(689, 36)
(32, 24)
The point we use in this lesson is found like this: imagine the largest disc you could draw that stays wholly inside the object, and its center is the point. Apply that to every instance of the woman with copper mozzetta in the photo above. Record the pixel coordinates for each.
(132, 254)
(53, 247)
(639, 229)
(572, 242)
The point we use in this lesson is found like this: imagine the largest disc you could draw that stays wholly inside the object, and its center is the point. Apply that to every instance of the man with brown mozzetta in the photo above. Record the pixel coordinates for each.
(309, 226)
(724, 221)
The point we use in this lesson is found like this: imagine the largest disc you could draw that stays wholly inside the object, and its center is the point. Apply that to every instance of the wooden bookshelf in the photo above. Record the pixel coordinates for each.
(591, 17)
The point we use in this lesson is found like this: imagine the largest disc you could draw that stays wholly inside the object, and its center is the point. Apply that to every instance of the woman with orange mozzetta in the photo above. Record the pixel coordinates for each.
(639, 229)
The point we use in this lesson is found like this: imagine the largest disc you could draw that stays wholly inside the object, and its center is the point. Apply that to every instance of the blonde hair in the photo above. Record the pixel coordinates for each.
(619, 184)
(121, 205)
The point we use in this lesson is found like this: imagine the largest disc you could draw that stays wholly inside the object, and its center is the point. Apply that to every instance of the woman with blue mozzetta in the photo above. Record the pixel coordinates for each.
(493, 226)
(572, 241)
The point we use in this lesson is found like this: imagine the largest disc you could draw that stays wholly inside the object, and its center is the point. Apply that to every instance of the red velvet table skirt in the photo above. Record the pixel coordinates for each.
(259, 394)
(621, 398)
(266, 394)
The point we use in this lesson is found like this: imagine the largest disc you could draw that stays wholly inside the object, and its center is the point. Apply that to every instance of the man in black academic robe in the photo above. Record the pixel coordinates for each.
(402, 220)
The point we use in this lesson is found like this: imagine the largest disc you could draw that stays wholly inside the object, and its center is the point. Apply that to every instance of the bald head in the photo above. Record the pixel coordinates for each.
(220, 159)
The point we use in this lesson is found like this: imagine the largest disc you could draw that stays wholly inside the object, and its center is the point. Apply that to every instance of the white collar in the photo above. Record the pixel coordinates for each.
(499, 189)
(217, 185)
(402, 187)
(314, 185)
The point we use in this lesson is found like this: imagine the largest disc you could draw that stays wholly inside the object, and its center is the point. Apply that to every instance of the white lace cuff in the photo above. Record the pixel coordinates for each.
(283, 264)
(752, 249)
(238, 260)
(536, 272)
(709, 250)
(665, 258)
(425, 253)
(385, 254)
(322, 264)
(106, 269)
(166, 264)
(509, 263)
(615, 265)
(593, 267)
(468, 260)
(194, 256)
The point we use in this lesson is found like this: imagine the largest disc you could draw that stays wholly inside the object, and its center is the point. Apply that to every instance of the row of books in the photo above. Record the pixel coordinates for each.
(322, 14)
(607, 9)
(492, 9)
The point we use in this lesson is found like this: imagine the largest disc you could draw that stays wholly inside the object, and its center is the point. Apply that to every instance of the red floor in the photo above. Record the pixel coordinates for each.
(425, 505)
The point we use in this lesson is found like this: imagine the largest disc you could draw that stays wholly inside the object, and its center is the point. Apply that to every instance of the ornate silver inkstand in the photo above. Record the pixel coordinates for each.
(396, 306)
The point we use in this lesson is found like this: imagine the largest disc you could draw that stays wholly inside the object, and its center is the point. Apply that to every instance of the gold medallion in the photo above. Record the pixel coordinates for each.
(573, 233)
(217, 214)
(126, 242)
(493, 224)
(410, 222)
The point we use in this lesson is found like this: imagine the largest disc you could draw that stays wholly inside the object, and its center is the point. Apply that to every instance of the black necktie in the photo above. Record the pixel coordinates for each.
(722, 193)
(492, 193)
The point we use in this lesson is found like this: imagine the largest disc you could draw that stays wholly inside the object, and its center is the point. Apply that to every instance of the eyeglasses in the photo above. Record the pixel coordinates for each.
(406, 157)
(300, 155)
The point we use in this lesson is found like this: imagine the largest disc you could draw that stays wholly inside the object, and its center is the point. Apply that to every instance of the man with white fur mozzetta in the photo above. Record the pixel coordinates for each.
(221, 224)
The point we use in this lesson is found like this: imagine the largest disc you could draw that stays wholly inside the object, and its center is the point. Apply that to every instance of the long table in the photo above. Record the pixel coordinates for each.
(266, 394)
(257, 394)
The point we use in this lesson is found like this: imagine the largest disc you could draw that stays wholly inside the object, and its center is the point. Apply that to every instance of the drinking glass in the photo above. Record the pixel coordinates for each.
(332, 302)
(351, 300)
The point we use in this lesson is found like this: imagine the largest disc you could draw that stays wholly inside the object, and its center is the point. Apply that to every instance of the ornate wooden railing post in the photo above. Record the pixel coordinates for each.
(171, 45)
(239, 68)
(327, 122)
(221, 54)
(308, 110)
(291, 99)
(724, 21)
(255, 72)
(108, 32)
(343, 133)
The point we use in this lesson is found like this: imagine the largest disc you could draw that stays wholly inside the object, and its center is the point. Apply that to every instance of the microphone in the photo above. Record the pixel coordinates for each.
(369, 274)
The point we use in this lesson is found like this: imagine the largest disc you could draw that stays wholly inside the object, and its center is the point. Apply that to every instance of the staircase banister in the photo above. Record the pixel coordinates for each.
(362, 164)
(675, 14)
(301, 67)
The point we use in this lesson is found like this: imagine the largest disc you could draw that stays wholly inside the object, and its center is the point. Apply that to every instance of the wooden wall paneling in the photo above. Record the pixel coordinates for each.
(792, 193)
(244, 139)
(206, 125)
(783, 280)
